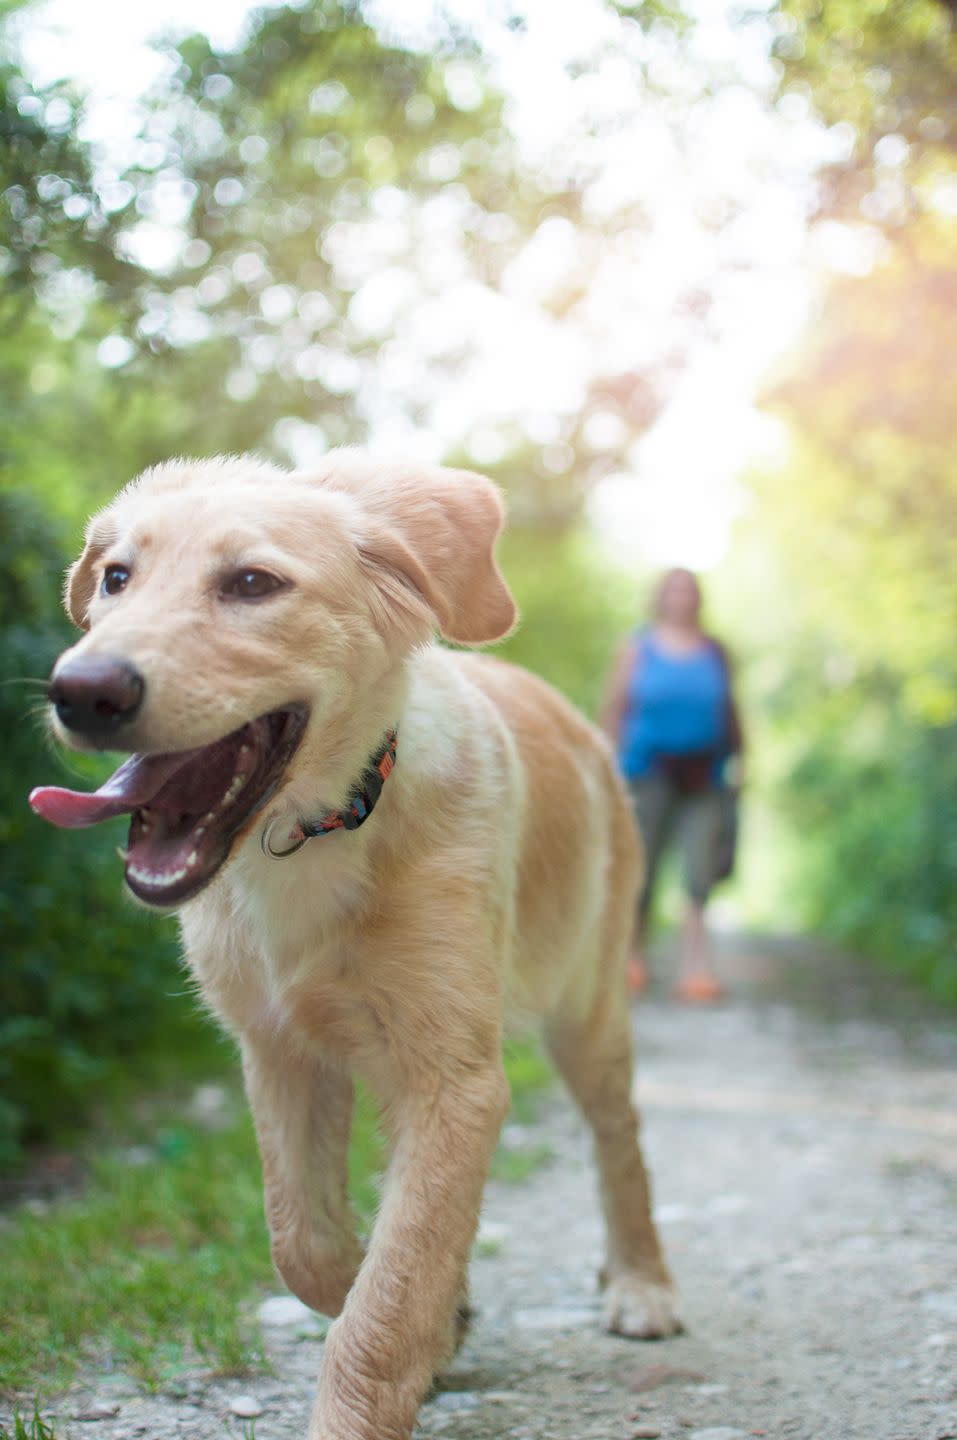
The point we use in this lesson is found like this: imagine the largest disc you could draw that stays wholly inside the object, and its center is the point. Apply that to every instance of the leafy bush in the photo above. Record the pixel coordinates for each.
(87, 982)
(849, 546)
(870, 790)
(574, 610)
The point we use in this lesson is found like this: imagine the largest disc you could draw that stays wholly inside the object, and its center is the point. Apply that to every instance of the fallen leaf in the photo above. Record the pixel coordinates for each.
(651, 1376)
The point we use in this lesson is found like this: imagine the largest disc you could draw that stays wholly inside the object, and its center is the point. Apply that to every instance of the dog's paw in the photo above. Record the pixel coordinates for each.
(320, 1279)
(639, 1308)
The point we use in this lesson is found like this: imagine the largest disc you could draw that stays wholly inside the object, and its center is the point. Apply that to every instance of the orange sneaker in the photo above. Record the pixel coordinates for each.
(638, 977)
(700, 988)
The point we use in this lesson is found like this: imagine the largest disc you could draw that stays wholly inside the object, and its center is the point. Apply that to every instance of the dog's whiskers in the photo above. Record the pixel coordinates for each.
(37, 713)
(38, 717)
(41, 684)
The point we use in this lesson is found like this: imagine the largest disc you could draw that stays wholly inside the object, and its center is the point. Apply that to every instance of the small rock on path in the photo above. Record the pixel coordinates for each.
(247, 1407)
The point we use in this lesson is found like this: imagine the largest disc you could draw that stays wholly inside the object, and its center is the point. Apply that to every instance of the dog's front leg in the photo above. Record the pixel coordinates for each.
(398, 1325)
(303, 1112)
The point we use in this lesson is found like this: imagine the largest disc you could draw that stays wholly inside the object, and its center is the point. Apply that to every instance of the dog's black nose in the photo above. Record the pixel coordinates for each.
(96, 695)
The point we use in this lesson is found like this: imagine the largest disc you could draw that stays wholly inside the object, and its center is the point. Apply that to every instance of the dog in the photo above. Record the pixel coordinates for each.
(381, 850)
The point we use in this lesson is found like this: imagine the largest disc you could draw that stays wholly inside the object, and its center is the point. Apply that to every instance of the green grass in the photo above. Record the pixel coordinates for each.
(33, 1428)
(157, 1266)
(150, 1267)
(514, 1166)
(529, 1073)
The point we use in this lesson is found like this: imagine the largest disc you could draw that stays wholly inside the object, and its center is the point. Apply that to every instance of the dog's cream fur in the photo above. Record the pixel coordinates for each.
(496, 879)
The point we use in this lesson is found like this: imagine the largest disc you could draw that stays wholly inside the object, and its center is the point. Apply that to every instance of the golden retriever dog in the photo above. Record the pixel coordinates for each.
(381, 850)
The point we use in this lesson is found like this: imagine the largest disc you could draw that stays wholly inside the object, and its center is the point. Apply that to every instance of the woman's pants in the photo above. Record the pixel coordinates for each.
(694, 820)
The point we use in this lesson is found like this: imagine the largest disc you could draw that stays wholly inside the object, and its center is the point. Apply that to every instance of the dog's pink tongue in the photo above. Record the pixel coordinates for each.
(135, 783)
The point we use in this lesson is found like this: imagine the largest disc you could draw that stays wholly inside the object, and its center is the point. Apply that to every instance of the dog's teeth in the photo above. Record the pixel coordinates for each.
(123, 854)
(237, 784)
(192, 859)
(152, 877)
(199, 832)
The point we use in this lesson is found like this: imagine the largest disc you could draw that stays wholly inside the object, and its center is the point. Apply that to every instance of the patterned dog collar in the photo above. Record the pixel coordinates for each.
(360, 805)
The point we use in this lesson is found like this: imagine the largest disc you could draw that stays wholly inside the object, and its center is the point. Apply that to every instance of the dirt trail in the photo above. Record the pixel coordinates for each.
(803, 1143)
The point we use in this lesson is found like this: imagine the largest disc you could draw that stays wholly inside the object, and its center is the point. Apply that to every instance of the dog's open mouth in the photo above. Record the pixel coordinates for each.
(186, 807)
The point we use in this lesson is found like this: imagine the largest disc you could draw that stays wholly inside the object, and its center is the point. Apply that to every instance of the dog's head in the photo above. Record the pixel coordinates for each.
(233, 612)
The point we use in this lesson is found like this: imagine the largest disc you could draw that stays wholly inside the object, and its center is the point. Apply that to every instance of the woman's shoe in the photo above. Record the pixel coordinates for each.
(700, 988)
(638, 977)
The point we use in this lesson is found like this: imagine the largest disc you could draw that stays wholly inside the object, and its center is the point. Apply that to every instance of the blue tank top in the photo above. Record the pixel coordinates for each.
(675, 705)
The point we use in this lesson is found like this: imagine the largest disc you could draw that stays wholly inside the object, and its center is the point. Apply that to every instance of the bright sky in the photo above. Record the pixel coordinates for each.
(678, 156)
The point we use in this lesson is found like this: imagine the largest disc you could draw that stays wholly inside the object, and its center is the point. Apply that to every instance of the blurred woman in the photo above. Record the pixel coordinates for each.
(671, 715)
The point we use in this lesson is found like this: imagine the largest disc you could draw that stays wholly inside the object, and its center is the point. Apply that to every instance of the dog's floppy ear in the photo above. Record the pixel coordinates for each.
(80, 584)
(433, 530)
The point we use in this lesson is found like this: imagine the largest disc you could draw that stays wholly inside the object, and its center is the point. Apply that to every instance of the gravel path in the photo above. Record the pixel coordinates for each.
(803, 1143)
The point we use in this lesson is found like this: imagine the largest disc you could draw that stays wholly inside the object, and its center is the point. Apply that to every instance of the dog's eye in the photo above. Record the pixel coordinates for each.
(250, 585)
(115, 579)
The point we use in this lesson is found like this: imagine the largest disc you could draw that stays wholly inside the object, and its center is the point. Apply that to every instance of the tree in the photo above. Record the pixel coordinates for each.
(319, 176)
(859, 528)
(852, 537)
(887, 71)
(305, 189)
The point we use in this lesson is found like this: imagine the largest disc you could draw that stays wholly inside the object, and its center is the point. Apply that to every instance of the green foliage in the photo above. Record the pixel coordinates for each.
(316, 158)
(883, 867)
(528, 1074)
(653, 13)
(855, 676)
(32, 1428)
(87, 982)
(574, 607)
(859, 679)
(887, 68)
(304, 163)
(514, 1166)
(65, 288)
(51, 215)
